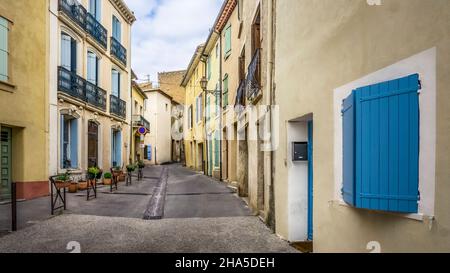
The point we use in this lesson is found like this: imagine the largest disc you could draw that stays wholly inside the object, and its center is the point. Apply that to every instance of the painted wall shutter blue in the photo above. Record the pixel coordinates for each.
(92, 68)
(74, 143)
(66, 51)
(61, 142)
(119, 148)
(73, 55)
(149, 152)
(348, 118)
(113, 161)
(3, 49)
(117, 31)
(386, 131)
(95, 7)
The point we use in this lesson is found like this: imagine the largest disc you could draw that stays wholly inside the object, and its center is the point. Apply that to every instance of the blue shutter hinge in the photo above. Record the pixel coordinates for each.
(419, 196)
(420, 86)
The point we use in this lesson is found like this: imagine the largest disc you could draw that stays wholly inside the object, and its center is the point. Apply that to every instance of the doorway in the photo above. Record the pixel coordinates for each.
(200, 157)
(6, 159)
(92, 144)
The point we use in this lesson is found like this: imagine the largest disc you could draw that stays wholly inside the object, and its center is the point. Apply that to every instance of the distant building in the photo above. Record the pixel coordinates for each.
(169, 82)
(139, 122)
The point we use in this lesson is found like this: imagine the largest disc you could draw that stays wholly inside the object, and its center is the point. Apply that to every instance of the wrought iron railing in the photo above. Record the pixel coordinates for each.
(95, 96)
(139, 121)
(96, 30)
(118, 107)
(240, 94)
(75, 11)
(118, 51)
(254, 76)
(77, 87)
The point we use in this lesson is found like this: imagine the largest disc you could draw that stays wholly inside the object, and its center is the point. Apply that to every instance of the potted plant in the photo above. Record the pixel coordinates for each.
(93, 173)
(141, 164)
(82, 184)
(63, 180)
(107, 179)
(131, 168)
(73, 187)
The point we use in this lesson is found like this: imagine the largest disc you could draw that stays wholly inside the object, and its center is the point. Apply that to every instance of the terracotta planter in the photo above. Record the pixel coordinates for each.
(73, 188)
(62, 184)
(121, 177)
(82, 185)
(107, 181)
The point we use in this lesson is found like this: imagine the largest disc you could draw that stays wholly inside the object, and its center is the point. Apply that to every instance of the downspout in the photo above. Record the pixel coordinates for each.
(221, 106)
(270, 83)
(132, 147)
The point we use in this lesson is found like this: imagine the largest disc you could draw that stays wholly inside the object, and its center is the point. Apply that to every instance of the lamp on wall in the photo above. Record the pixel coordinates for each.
(204, 85)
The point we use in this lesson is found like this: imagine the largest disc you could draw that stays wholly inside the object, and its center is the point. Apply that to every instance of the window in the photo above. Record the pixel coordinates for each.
(199, 109)
(69, 142)
(95, 7)
(117, 29)
(116, 148)
(115, 81)
(227, 41)
(4, 53)
(225, 91)
(381, 146)
(68, 52)
(92, 68)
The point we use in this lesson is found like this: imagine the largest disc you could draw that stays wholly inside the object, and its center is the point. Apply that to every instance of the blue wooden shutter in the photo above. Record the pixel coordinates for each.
(95, 8)
(3, 49)
(74, 143)
(92, 68)
(113, 161)
(119, 148)
(386, 132)
(348, 117)
(73, 55)
(66, 50)
(61, 141)
(149, 152)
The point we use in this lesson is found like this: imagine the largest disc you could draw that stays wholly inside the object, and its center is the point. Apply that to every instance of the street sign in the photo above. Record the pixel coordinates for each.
(142, 130)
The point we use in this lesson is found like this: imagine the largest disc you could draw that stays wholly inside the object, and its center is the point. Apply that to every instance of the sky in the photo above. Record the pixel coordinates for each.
(167, 32)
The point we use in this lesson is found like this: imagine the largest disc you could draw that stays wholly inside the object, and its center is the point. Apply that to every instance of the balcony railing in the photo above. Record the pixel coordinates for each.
(254, 76)
(77, 87)
(96, 30)
(139, 121)
(118, 107)
(75, 11)
(240, 94)
(118, 51)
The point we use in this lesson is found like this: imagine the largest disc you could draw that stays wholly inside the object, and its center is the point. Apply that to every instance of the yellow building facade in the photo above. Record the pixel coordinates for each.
(23, 95)
(140, 125)
(90, 85)
(194, 118)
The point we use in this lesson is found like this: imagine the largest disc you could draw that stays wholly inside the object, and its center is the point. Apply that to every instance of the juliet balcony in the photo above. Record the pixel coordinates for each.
(79, 15)
(240, 94)
(140, 121)
(117, 107)
(254, 77)
(118, 51)
(76, 87)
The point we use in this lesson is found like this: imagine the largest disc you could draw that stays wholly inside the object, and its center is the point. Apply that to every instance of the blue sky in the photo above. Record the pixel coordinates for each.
(166, 33)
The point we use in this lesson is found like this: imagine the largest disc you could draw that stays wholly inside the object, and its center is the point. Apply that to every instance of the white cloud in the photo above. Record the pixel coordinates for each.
(167, 33)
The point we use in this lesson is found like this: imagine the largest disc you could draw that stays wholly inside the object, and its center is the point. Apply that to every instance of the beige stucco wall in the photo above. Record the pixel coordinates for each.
(23, 101)
(169, 82)
(138, 105)
(159, 108)
(59, 101)
(322, 45)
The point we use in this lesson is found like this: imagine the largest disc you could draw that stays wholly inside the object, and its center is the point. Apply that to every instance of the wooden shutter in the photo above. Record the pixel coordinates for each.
(4, 49)
(386, 146)
(74, 143)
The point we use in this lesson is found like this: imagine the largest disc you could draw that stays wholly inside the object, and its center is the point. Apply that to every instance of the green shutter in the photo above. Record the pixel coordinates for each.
(3, 49)
(228, 40)
(225, 91)
(217, 149)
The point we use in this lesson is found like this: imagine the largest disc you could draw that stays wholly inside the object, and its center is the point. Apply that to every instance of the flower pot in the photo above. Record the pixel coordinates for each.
(107, 181)
(82, 185)
(62, 184)
(73, 187)
(121, 177)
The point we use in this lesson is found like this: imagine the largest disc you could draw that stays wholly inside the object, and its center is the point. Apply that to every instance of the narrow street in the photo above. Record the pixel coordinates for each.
(198, 215)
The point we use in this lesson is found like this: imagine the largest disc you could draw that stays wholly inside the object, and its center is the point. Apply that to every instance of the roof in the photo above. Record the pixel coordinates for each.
(126, 13)
(157, 90)
(220, 23)
(193, 64)
(139, 89)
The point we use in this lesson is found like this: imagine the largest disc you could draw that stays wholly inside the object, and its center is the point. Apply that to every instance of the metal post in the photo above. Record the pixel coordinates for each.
(14, 206)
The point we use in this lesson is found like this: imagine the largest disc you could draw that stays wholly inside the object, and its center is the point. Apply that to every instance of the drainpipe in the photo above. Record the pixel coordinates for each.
(221, 106)
(132, 147)
(270, 84)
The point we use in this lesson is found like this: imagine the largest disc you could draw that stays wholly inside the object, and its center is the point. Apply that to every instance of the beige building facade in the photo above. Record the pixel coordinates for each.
(324, 56)
(90, 85)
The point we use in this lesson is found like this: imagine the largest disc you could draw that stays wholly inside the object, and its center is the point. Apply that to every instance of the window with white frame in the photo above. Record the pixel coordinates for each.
(4, 53)
(69, 142)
